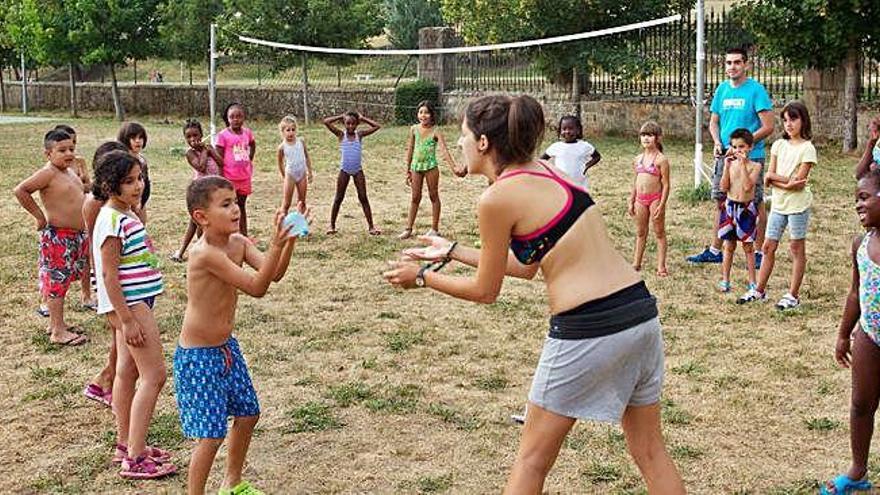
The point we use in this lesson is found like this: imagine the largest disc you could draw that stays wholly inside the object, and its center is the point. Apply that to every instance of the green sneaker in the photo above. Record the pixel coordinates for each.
(243, 488)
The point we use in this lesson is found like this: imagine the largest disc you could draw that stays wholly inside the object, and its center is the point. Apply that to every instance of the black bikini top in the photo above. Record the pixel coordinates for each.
(531, 248)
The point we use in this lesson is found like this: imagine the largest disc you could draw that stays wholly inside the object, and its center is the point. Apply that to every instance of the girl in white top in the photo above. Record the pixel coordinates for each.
(791, 160)
(571, 153)
(294, 163)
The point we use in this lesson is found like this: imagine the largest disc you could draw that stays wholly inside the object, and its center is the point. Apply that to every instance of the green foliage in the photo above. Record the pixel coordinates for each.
(308, 22)
(408, 95)
(515, 20)
(185, 32)
(310, 417)
(113, 31)
(813, 33)
(406, 17)
(693, 196)
(822, 424)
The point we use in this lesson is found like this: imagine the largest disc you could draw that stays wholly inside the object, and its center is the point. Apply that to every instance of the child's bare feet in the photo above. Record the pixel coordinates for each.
(637, 268)
(406, 234)
(331, 231)
(662, 272)
(375, 231)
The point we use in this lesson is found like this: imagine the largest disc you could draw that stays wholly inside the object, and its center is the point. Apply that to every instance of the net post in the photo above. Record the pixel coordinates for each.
(212, 80)
(305, 89)
(24, 108)
(699, 93)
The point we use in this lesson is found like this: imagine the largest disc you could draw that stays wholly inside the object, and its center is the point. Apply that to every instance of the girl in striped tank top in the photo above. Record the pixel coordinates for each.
(128, 283)
(350, 163)
(858, 337)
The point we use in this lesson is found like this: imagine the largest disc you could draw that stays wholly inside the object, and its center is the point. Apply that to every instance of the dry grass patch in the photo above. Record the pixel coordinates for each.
(368, 389)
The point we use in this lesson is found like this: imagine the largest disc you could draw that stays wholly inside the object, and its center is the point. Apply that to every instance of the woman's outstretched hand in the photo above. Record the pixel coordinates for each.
(402, 273)
(435, 248)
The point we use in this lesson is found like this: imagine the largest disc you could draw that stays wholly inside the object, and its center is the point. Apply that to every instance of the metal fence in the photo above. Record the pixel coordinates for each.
(667, 55)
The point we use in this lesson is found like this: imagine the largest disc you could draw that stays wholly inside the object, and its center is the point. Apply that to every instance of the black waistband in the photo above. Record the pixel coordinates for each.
(614, 313)
(629, 294)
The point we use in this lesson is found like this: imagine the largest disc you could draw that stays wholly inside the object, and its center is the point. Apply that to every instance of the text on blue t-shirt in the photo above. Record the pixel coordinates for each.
(738, 108)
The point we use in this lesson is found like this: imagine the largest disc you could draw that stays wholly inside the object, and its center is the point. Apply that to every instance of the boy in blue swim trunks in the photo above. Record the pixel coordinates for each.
(210, 375)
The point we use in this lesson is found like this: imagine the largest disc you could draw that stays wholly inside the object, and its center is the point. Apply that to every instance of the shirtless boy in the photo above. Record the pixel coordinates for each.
(63, 241)
(739, 219)
(210, 373)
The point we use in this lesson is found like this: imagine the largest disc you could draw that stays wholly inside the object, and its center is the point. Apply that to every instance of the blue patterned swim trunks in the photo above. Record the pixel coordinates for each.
(212, 384)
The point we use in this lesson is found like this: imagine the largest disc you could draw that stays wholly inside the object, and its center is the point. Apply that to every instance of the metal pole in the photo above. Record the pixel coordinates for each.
(212, 81)
(23, 85)
(305, 68)
(699, 94)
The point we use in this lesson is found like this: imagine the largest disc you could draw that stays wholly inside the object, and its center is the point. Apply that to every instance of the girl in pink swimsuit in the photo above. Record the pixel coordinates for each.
(647, 202)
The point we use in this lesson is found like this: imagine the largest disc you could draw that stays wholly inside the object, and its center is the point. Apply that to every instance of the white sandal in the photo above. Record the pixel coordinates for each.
(788, 301)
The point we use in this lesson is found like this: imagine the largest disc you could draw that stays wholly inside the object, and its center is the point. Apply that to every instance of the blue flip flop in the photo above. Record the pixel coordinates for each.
(844, 485)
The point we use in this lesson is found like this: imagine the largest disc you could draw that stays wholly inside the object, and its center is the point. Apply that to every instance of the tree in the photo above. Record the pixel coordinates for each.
(333, 23)
(819, 34)
(483, 21)
(406, 17)
(184, 31)
(53, 24)
(116, 30)
(8, 54)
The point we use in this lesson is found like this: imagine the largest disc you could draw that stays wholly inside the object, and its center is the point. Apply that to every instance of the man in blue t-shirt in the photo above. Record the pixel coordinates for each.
(739, 103)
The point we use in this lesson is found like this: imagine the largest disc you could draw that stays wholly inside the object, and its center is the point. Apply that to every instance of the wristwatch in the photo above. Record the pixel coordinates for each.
(420, 277)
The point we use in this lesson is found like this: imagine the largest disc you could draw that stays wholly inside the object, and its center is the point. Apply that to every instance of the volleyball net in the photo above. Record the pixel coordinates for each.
(313, 81)
(552, 67)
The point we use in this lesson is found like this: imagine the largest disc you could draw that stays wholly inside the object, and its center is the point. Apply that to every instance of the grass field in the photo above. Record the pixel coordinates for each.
(368, 389)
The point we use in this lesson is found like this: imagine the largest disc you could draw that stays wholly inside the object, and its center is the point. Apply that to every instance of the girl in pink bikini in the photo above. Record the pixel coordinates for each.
(650, 191)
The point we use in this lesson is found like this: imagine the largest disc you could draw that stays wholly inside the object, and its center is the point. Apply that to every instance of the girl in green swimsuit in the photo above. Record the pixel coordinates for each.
(421, 166)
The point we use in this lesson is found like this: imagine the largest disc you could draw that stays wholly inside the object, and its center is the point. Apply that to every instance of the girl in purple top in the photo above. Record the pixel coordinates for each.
(204, 160)
(350, 163)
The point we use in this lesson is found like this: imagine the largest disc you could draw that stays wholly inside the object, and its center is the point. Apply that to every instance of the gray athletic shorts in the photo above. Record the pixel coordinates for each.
(719, 195)
(598, 378)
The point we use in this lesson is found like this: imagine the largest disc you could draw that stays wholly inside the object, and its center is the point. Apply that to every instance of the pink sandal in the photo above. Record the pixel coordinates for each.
(155, 453)
(145, 468)
(94, 392)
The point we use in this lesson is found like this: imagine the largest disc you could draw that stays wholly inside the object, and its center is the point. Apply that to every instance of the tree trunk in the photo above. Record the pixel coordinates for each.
(2, 92)
(190, 75)
(117, 101)
(851, 99)
(72, 91)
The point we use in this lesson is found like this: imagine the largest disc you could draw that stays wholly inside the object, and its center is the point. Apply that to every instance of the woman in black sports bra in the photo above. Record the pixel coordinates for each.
(603, 356)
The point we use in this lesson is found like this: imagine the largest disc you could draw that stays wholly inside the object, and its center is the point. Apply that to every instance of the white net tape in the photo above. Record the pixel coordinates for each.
(465, 49)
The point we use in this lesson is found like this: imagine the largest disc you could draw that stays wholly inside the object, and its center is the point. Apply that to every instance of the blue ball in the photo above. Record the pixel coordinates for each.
(299, 223)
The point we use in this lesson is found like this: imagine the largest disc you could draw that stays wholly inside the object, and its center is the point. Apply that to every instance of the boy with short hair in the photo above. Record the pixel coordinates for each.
(739, 218)
(63, 240)
(210, 374)
(82, 171)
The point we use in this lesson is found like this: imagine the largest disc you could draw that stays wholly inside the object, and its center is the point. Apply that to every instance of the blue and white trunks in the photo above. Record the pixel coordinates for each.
(212, 384)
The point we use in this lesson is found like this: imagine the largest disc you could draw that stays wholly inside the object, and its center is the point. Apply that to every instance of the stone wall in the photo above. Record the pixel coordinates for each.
(600, 117)
(186, 100)
(823, 96)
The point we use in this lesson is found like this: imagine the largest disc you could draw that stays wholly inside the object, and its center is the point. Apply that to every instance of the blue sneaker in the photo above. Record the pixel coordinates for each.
(706, 257)
(759, 257)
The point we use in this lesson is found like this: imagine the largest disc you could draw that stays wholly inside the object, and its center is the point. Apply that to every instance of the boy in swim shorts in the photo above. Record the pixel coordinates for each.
(63, 240)
(739, 218)
(210, 374)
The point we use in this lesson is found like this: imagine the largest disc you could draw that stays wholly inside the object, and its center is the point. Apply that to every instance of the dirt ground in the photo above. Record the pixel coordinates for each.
(368, 389)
